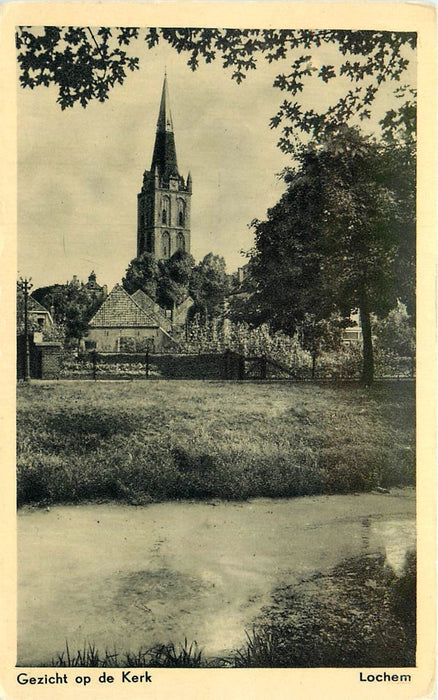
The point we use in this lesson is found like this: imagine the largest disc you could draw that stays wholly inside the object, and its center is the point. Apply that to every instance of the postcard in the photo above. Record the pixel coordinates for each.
(218, 356)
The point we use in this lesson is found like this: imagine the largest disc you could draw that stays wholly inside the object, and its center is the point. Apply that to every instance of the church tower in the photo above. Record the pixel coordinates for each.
(163, 205)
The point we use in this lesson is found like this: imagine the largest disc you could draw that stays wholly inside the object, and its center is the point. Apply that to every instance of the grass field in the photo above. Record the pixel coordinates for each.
(143, 441)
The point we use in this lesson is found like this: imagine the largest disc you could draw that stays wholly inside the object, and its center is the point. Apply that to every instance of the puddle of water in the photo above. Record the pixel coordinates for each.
(129, 577)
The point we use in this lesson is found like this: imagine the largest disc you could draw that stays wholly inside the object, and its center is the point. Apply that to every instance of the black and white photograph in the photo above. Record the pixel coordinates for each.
(216, 350)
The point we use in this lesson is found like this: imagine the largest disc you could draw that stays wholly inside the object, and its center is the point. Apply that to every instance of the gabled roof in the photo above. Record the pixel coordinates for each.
(143, 300)
(119, 310)
(34, 305)
(188, 301)
(151, 307)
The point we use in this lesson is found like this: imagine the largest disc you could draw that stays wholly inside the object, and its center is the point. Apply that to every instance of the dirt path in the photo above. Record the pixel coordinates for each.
(130, 576)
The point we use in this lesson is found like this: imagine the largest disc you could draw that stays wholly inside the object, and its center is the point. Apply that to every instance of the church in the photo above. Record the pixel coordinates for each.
(163, 227)
(163, 205)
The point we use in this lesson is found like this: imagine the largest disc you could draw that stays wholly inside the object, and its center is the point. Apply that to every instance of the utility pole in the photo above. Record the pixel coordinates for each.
(25, 285)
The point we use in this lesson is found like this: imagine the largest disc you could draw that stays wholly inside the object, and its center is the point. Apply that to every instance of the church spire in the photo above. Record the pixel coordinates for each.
(164, 157)
(165, 117)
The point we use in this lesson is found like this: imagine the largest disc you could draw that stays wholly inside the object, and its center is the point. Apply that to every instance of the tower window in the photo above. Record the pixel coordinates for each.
(165, 210)
(181, 212)
(166, 245)
(180, 242)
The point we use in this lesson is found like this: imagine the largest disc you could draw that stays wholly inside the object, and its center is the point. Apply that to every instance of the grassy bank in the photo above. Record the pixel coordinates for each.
(144, 441)
(359, 614)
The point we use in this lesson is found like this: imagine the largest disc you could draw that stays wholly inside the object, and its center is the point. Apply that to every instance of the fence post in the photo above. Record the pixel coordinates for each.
(94, 356)
(147, 364)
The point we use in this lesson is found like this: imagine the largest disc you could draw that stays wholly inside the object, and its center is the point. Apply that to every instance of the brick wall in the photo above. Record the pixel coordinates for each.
(50, 360)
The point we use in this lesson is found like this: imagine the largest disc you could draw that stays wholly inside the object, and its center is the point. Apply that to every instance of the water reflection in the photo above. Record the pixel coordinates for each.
(202, 572)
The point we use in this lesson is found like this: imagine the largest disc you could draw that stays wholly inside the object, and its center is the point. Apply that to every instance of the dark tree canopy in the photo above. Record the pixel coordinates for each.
(73, 306)
(142, 273)
(342, 236)
(85, 63)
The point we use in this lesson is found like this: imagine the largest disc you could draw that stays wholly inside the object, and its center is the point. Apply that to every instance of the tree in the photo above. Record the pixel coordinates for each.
(87, 63)
(396, 332)
(142, 273)
(340, 235)
(174, 279)
(209, 285)
(73, 306)
(317, 335)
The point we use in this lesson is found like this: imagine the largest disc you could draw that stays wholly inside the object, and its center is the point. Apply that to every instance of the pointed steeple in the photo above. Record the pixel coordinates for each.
(164, 157)
(164, 122)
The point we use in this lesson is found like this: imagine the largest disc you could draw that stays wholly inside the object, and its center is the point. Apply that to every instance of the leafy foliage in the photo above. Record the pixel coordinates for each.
(171, 281)
(396, 332)
(142, 273)
(209, 285)
(342, 236)
(74, 304)
(87, 63)
(55, 332)
(174, 279)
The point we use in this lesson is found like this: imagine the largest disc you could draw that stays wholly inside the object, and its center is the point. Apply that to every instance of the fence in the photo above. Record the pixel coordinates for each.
(228, 365)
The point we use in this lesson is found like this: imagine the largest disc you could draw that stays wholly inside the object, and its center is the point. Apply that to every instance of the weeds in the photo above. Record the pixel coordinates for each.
(88, 656)
(162, 655)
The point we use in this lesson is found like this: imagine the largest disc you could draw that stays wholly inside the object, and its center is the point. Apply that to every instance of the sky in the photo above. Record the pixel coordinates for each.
(79, 170)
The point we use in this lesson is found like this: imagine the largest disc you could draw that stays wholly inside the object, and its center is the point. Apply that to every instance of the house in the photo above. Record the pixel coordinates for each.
(121, 324)
(180, 312)
(166, 319)
(151, 307)
(42, 319)
(353, 334)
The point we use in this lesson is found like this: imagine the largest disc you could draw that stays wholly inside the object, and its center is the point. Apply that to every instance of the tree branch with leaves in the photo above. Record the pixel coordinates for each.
(86, 63)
